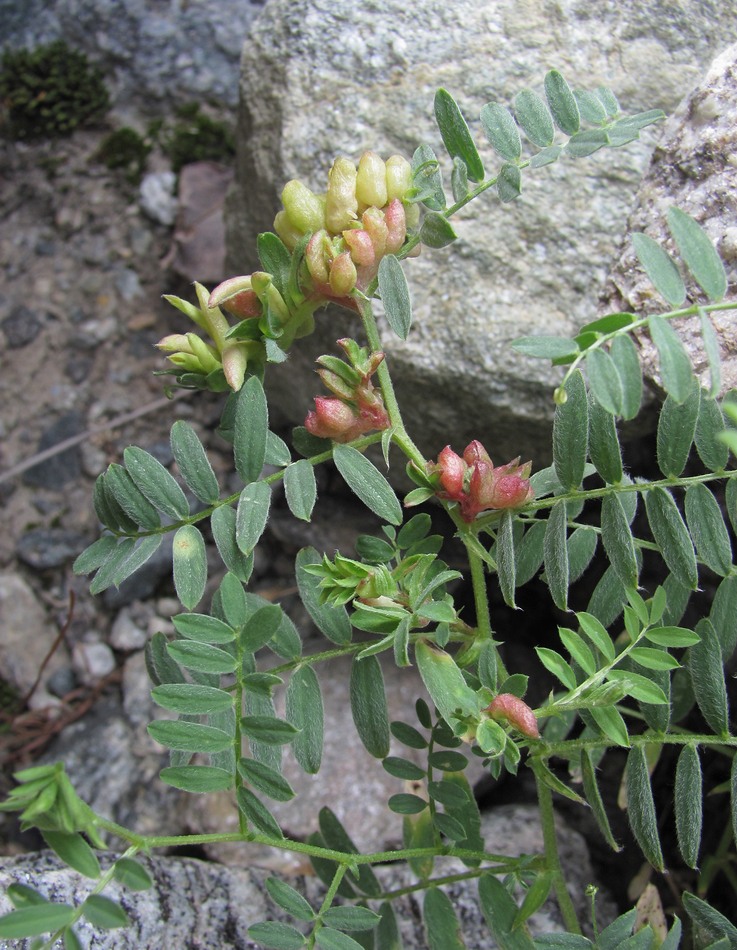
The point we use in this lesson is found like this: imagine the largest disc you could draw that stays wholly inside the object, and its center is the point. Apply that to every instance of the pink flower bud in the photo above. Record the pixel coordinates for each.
(361, 247)
(509, 708)
(373, 222)
(235, 362)
(332, 419)
(396, 225)
(343, 275)
(475, 452)
(451, 469)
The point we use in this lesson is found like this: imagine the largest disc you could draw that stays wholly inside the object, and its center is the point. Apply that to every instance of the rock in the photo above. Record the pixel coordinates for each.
(92, 661)
(154, 57)
(126, 633)
(157, 196)
(692, 168)
(63, 467)
(45, 548)
(198, 251)
(323, 79)
(21, 327)
(27, 635)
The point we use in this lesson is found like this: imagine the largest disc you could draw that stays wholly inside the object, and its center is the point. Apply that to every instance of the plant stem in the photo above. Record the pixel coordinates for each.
(552, 858)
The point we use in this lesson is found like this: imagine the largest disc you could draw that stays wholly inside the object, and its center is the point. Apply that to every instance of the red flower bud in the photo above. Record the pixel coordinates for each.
(451, 470)
(333, 419)
(342, 275)
(477, 485)
(360, 246)
(395, 219)
(509, 708)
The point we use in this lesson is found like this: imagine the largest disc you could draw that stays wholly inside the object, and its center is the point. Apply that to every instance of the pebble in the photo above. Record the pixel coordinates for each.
(62, 682)
(63, 467)
(92, 661)
(126, 634)
(157, 197)
(21, 327)
(46, 548)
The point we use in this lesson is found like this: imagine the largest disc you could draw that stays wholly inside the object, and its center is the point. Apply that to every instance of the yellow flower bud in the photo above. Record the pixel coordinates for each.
(286, 230)
(173, 343)
(342, 275)
(317, 256)
(304, 209)
(371, 180)
(264, 288)
(204, 353)
(341, 204)
(398, 177)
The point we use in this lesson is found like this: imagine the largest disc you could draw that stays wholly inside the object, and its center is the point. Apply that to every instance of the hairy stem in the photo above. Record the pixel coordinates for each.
(552, 858)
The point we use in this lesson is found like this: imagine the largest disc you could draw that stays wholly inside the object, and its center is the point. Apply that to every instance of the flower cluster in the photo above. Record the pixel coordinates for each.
(474, 482)
(360, 218)
(357, 407)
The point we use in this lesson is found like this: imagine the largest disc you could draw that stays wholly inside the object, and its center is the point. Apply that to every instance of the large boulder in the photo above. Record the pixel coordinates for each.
(320, 79)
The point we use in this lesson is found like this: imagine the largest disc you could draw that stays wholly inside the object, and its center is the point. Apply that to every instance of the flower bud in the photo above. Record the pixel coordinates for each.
(373, 222)
(342, 275)
(286, 230)
(303, 207)
(235, 361)
(396, 225)
(341, 204)
(361, 247)
(332, 419)
(236, 296)
(451, 468)
(371, 180)
(173, 343)
(204, 353)
(509, 708)
(398, 177)
(266, 291)
(316, 256)
(475, 452)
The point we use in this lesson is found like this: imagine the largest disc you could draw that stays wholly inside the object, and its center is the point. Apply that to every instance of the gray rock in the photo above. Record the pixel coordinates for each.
(153, 56)
(45, 548)
(92, 661)
(63, 467)
(126, 633)
(157, 197)
(693, 169)
(21, 327)
(320, 79)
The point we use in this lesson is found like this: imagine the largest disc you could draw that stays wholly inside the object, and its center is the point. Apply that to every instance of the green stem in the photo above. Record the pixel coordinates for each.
(552, 858)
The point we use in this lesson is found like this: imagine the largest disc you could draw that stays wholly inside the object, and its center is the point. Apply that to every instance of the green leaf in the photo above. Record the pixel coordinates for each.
(582, 546)
(276, 935)
(671, 536)
(653, 659)
(261, 627)
(500, 911)
(394, 292)
(203, 628)
(660, 268)
(597, 633)
(251, 515)
(604, 449)
(546, 157)
(709, 425)
(289, 899)
(251, 428)
(709, 533)
(132, 875)
(555, 663)
(275, 259)
(191, 699)
(699, 254)
(593, 797)
(408, 735)
(403, 768)
(277, 450)
(711, 349)
(268, 729)
(546, 347)
(368, 705)
(159, 665)
(505, 557)
(590, 106)
(641, 808)
(189, 736)
(704, 661)
(459, 180)
(130, 498)
(351, 918)
(578, 649)
(105, 913)
(266, 780)
(676, 429)
(95, 555)
(436, 231)
(586, 143)
(330, 939)
(197, 779)
(257, 813)
(445, 682)
(508, 182)
(336, 837)
(709, 919)
(535, 896)
(673, 637)
(638, 687)
(74, 851)
(687, 798)
(142, 552)
(556, 555)
(190, 565)
(675, 366)
(155, 483)
(624, 353)
(611, 723)
(617, 539)
(529, 553)
(35, 920)
(570, 434)
(604, 380)
(332, 621)
(21, 895)
(300, 488)
(387, 932)
(427, 180)
(441, 924)
(367, 482)
(501, 131)
(202, 657)
(304, 710)
(455, 134)
(723, 616)
(224, 525)
(532, 114)
(562, 103)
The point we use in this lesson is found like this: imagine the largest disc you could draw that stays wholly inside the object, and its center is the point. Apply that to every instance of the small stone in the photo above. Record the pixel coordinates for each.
(21, 327)
(93, 661)
(126, 634)
(62, 682)
(128, 284)
(157, 197)
(63, 467)
(46, 548)
(27, 635)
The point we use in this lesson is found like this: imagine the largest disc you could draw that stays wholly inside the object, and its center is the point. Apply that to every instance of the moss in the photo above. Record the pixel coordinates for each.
(125, 150)
(49, 91)
(195, 137)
